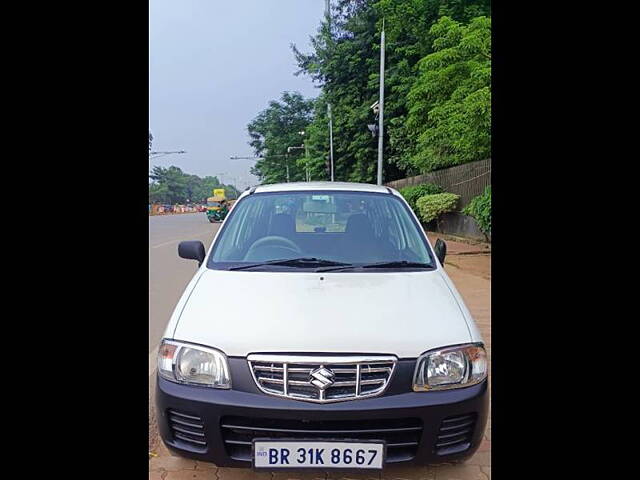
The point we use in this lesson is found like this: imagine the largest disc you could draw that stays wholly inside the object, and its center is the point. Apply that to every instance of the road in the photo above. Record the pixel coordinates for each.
(168, 273)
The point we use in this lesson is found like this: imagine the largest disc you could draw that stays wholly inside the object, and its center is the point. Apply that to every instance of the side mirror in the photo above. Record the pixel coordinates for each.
(441, 250)
(192, 250)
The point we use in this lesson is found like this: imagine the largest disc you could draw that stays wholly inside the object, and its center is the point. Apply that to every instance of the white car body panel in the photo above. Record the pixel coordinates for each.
(395, 312)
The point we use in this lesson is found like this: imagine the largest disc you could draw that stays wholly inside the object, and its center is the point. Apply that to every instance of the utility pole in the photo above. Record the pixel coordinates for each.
(306, 154)
(381, 103)
(327, 13)
(330, 138)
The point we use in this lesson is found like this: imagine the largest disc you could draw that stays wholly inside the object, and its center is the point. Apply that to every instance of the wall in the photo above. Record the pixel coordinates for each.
(468, 180)
(460, 225)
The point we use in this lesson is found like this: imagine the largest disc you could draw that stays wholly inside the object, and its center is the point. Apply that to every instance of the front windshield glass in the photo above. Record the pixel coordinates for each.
(348, 227)
(213, 204)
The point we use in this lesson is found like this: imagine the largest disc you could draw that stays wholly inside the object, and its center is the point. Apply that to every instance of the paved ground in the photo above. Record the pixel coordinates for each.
(468, 265)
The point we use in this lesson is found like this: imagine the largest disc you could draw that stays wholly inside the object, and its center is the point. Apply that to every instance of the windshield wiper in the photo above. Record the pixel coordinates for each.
(391, 264)
(295, 262)
(397, 264)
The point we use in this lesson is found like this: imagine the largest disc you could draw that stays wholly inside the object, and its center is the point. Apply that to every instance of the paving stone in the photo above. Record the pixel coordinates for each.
(191, 475)
(298, 476)
(486, 471)
(408, 473)
(205, 465)
(485, 446)
(353, 476)
(161, 449)
(462, 471)
(225, 473)
(170, 463)
(481, 459)
(157, 475)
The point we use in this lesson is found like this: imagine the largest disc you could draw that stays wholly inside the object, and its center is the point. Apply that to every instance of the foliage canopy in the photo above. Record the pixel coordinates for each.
(173, 186)
(437, 92)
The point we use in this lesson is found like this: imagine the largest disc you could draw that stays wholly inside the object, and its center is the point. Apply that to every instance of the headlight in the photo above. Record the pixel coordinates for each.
(193, 364)
(451, 367)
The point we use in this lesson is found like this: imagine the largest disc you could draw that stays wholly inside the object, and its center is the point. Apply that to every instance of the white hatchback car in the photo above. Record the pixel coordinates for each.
(319, 332)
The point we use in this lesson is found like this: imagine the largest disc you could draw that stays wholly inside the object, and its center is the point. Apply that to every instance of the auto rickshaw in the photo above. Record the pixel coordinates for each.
(217, 209)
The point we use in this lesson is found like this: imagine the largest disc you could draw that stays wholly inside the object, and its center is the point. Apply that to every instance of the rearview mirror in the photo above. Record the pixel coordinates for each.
(441, 250)
(192, 250)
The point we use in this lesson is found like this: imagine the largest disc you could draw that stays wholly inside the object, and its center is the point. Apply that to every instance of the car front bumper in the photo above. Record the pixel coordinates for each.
(218, 426)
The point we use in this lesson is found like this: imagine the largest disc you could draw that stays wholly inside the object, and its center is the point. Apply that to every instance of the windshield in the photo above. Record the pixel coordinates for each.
(346, 227)
(213, 204)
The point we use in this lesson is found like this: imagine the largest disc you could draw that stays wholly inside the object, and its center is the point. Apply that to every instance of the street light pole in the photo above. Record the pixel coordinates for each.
(327, 13)
(330, 138)
(381, 103)
(306, 154)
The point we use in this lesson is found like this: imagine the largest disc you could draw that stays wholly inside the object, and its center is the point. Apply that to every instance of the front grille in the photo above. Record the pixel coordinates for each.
(455, 434)
(322, 379)
(187, 428)
(402, 436)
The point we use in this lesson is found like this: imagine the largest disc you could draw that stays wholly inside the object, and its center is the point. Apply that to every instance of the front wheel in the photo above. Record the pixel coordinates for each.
(211, 220)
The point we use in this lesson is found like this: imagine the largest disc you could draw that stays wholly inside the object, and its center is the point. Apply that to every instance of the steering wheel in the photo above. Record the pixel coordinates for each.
(274, 240)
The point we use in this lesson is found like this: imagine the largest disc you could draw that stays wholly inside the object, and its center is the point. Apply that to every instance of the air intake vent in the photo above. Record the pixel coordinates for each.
(188, 429)
(322, 379)
(455, 434)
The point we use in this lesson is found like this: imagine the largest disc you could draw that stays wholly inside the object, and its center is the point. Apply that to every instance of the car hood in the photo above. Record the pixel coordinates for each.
(399, 313)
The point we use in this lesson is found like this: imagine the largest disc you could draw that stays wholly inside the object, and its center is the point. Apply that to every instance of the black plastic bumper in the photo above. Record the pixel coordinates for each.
(393, 408)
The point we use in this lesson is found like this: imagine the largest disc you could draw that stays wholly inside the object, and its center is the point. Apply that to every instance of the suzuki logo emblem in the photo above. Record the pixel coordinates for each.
(322, 378)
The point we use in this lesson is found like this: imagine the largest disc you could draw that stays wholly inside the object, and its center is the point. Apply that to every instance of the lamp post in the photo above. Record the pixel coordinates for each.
(306, 156)
(381, 102)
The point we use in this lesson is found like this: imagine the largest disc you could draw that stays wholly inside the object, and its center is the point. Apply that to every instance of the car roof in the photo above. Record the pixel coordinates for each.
(306, 186)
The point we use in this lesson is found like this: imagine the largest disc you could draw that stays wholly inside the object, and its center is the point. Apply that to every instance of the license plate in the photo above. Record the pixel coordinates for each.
(293, 454)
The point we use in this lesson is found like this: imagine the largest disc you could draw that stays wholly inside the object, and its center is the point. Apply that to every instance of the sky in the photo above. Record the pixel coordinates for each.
(213, 66)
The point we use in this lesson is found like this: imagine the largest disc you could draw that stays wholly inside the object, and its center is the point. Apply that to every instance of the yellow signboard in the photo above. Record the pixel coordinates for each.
(218, 192)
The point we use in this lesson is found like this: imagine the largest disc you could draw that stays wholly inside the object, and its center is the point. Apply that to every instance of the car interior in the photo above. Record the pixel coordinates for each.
(339, 231)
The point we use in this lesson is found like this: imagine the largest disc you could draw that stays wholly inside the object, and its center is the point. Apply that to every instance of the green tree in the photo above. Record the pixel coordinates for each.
(408, 39)
(273, 131)
(171, 185)
(450, 102)
(344, 63)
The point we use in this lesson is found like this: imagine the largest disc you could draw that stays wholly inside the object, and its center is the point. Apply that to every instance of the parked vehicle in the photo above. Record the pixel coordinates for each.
(321, 331)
